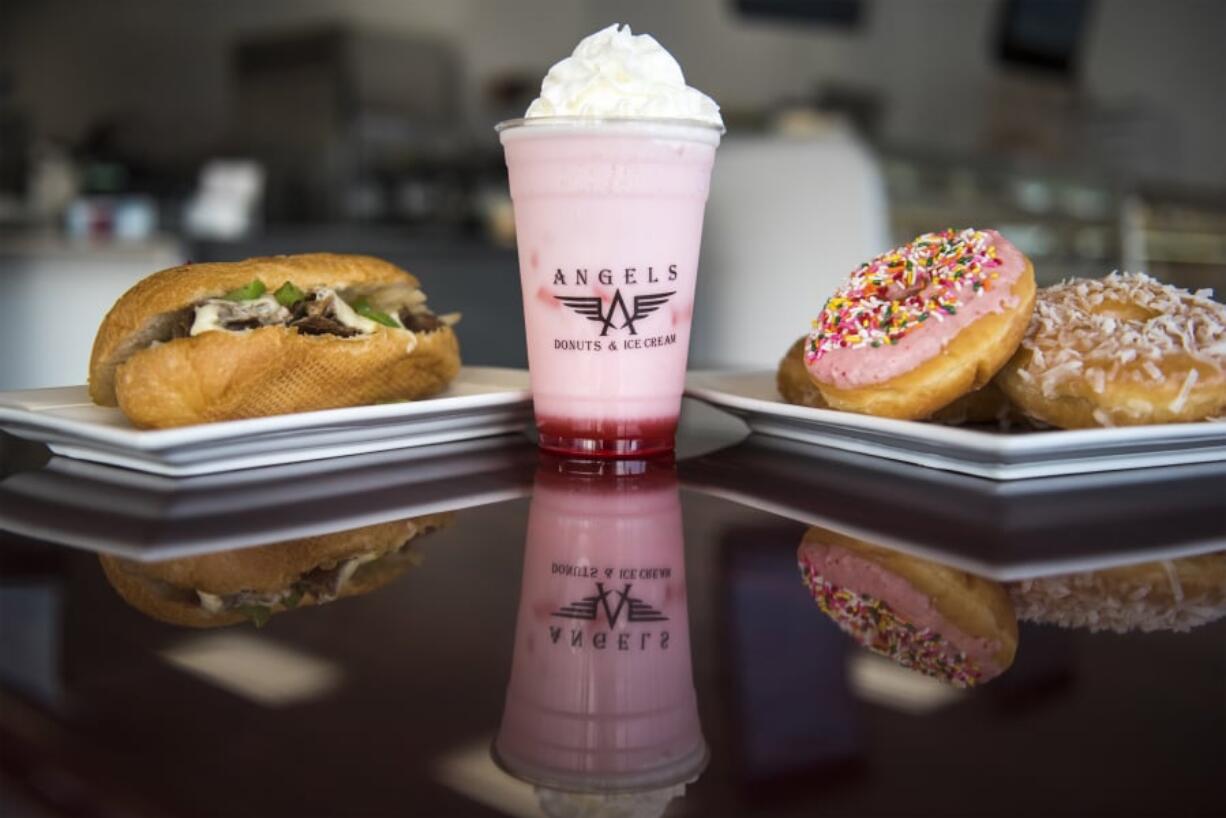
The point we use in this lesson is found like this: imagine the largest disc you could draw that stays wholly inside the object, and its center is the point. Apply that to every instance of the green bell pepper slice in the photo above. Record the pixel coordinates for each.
(288, 295)
(248, 292)
(362, 307)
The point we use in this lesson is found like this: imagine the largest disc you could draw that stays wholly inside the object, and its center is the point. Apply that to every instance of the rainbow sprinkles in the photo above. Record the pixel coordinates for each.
(875, 625)
(892, 295)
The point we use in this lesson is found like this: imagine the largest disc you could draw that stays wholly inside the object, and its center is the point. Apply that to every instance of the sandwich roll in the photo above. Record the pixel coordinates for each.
(267, 336)
(253, 584)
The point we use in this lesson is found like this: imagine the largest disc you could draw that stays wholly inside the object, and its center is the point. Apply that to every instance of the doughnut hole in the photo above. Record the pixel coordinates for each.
(898, 291)
(1127, 311)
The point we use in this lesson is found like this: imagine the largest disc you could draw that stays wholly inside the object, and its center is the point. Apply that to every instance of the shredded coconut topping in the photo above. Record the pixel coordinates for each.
(1188, 382)
(1121, 600)
(1123, 327)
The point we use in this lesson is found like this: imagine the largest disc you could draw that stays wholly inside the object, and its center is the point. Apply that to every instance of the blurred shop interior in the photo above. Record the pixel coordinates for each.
(136, 134)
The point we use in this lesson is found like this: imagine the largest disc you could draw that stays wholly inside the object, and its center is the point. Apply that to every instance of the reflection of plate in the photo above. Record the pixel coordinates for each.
(144, 516)
(482, 401)
(996, 455)
(1000, 530)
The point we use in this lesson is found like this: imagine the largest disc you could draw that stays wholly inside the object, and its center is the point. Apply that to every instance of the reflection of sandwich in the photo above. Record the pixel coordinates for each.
(227, 587)
(269, 336)
(1171, 595)
(928, 617)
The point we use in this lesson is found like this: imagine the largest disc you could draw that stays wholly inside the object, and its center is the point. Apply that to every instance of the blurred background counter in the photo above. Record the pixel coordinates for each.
(138, 134)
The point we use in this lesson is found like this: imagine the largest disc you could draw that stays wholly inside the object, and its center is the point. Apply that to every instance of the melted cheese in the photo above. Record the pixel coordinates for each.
(208, 318)
(350, 566)
(345, 315)
(211, 602)
(212, 314)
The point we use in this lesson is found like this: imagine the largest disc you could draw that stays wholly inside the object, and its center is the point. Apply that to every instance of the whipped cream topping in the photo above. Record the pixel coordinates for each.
(616, 73)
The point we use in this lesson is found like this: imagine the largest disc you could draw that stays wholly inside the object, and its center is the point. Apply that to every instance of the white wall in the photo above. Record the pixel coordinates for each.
(1168, 56)
(164, 62)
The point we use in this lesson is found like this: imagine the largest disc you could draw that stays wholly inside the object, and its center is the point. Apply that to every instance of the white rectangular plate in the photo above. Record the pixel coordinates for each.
(1004, 530)
(151, 517)
(482, 401)
(995, 455)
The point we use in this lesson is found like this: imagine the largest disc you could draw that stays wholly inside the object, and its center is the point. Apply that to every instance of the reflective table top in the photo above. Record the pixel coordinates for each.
(754, 627)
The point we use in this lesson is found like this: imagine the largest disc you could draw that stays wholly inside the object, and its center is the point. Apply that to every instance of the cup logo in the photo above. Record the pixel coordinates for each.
(619, 321)
(601, 714)
(590, 607)
(591, 308)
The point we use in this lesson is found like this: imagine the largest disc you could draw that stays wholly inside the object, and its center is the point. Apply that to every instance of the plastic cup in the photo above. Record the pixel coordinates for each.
(601, 696)
(608, 219)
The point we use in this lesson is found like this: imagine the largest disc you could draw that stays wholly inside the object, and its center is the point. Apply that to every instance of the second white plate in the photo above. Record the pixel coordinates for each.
(482, 401)
(995, 455)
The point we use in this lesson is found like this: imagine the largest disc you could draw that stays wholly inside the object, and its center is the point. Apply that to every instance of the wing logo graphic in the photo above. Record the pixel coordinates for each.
(612, 603)
(592, 308)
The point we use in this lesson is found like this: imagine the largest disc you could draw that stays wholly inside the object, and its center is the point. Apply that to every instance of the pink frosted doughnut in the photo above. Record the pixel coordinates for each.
(918, 327)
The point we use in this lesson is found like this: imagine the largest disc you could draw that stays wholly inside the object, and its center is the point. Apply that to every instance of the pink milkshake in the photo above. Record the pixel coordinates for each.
(601, 697)
(609, 173)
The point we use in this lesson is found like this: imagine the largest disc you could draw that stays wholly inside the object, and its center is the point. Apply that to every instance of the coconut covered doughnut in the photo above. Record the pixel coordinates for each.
(918, 327)
(1120, 351)
(1171, 595)
(927, 617)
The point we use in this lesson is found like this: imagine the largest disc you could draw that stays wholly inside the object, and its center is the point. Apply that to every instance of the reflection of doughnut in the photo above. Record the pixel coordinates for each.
(1120, 351)
(920, 326)
(986, 405)
(927, 617)
(1172, 595)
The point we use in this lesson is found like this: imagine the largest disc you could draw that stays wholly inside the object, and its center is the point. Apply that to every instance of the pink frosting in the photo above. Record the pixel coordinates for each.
(855, 367)
(846, 569)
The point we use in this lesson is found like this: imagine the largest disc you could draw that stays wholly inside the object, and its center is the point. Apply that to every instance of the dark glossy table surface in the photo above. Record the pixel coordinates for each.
(581, 640)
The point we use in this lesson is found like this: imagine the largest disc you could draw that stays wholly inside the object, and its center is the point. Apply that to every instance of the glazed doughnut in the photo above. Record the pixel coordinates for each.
(1120, 351)
(925, 616)
(985, 405)
(792, 379)
(1172, 595)
(918, 327)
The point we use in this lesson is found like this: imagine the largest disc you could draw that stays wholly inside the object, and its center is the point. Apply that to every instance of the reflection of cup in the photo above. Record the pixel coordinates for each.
(601, 697)
(608, 217)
